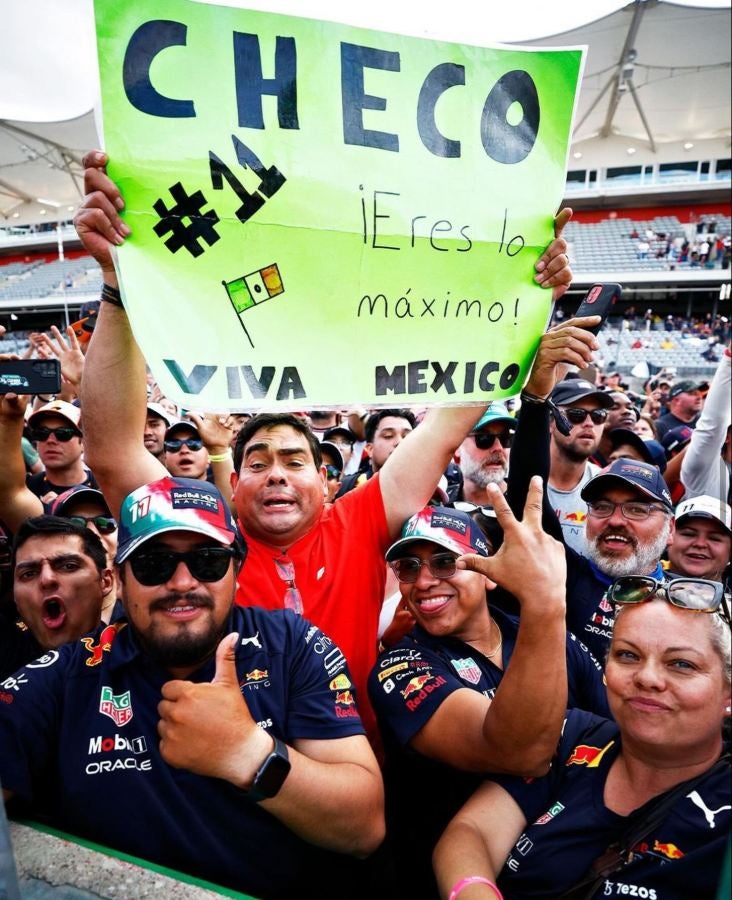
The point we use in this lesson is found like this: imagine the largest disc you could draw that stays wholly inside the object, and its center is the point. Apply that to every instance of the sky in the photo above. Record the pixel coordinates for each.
(48, 61)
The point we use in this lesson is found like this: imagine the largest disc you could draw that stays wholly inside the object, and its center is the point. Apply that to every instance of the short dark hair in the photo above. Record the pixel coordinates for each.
(267, 421)
(372, 423)
(40, 526)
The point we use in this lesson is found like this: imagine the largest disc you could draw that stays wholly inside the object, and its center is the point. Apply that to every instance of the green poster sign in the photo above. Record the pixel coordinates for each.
(325, 215)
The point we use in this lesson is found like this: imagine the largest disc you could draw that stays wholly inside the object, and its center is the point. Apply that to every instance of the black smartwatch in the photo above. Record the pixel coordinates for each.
(272, 773)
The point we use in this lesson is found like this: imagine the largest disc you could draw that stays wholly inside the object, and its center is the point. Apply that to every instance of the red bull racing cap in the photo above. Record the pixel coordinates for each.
(624, 472)
(450, 528)
(173, 504)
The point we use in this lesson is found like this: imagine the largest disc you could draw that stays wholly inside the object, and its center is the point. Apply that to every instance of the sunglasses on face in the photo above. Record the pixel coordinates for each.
(174, 445)
(577, 415)
(153, 567)
(635, 510)
(63, 433)
(407, 569)
(103, 524)
(484, 440)
(693, 594)
(332, 472)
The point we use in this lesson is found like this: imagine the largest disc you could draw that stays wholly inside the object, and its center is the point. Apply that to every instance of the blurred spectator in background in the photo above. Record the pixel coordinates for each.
(685, 402)
(333, 462)
(706, 465)
(645, 427)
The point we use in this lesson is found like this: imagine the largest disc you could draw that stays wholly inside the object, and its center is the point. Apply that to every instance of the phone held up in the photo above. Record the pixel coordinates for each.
(30, 376)
(598, 301)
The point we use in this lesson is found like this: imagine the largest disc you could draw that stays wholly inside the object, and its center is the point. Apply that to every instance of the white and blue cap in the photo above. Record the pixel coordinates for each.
(705, 507)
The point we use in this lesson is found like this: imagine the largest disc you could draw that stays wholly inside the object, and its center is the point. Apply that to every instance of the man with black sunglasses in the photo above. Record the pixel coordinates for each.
(230, 732)
(185, 453)
(483, 456)
(586, 409)
(56, 430)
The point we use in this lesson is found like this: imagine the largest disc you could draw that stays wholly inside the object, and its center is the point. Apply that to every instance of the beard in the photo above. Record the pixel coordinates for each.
(643, 559)
(184, 648)
(481, 477)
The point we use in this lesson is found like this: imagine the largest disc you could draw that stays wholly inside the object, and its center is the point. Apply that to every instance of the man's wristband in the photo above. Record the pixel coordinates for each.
(526, 397)
(561, 421)
(111, 295)
(473, 879)
(219, 457)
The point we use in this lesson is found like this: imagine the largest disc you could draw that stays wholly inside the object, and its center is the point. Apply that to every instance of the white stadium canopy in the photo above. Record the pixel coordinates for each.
(657, 72)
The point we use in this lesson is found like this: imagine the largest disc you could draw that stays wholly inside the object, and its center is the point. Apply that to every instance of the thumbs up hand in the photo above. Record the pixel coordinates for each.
(208, 729)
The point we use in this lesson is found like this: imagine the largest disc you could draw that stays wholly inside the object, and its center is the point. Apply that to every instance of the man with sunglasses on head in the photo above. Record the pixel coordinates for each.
(483, 457)
(586, 409)
(56, 431)
(230, 732)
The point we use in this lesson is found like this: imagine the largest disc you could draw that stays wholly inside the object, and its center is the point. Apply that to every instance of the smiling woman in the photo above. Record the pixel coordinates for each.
(653, 786)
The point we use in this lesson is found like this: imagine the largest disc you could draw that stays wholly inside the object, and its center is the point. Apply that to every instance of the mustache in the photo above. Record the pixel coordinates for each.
(192, 598)
(621, 532)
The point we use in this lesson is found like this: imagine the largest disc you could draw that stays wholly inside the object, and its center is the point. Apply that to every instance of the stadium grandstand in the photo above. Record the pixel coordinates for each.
(649, 181)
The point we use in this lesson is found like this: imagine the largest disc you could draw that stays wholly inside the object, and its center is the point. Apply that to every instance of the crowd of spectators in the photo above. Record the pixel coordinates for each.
(418, 598)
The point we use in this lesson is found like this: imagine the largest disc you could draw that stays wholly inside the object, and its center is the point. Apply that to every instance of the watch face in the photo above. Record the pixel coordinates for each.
(271, 775)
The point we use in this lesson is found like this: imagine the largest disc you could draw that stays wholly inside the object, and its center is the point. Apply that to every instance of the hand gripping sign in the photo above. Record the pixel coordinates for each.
(324, 215)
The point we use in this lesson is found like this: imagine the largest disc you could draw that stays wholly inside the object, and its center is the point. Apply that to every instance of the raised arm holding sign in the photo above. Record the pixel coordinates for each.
(393, 196)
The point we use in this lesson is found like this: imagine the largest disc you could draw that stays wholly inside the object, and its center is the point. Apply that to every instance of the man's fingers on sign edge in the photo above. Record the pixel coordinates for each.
(96, 220)
(561, 219)
(94, 159)
(97, 180)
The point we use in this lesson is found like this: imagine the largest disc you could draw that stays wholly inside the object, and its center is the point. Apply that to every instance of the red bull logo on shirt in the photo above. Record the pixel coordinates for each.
(575, 517)
(106, 638)
(415, 685)
(118, 707)
(419, 688)
(671, 851)
(584, 755)
(345, 707)
(257, 675)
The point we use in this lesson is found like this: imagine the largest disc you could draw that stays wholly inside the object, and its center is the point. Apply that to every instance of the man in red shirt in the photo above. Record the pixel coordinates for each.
(325, 561)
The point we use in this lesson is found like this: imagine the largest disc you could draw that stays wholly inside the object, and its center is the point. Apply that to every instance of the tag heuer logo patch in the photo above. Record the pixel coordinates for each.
(467, 669)
(117, 706)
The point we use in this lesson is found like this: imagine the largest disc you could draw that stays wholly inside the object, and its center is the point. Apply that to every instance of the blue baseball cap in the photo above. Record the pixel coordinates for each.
(641, 476)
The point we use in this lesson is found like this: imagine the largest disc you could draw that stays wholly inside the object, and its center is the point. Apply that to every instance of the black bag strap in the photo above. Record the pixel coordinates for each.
(641, 823)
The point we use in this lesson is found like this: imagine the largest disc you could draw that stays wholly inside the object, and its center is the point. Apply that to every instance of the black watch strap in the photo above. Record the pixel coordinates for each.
(272, 773)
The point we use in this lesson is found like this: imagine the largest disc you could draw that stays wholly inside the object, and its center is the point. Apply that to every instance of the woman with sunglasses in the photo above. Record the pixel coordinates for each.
(644, 800)
(471, 690)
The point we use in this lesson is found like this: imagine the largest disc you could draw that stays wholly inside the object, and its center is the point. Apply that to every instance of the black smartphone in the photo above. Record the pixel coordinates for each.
(30, 376)
(598, 301)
